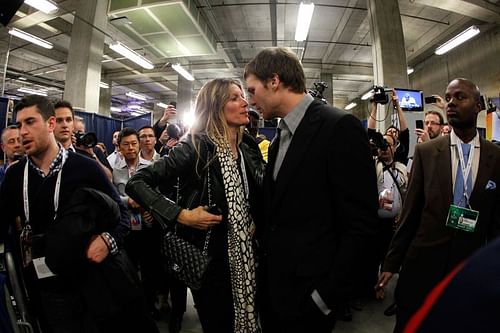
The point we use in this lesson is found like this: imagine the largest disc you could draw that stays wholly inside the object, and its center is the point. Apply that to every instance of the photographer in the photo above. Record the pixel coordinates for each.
(392, 182)
(169, 138)
(402, 135)
(169, 113)
(85, 144)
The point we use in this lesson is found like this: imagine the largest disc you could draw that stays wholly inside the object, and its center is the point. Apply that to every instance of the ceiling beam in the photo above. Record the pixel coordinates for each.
(38, 17)
(477, 9)
(425, 46)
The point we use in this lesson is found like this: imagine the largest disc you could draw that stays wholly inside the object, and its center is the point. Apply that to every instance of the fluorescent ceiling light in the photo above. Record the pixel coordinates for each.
(22, 78)
(409, 70)
(367, 95)
(162, 105)
(115, 109)
(103, 85)
(30, 38)
(32, 91)
(131, 55)
(179, 69)
(45, 6)
(350, 106)
(136, 96)
(457, 40)
(303, 21)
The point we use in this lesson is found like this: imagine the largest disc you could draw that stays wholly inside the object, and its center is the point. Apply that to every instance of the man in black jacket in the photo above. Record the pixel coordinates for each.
(34, 191)
(321, 199)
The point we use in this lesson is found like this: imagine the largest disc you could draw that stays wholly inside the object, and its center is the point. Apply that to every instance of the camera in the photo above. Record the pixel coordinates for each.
(317, 91)
(377, 141)
(86, 140)
(430, 99)
(380, 95)
(173, 131)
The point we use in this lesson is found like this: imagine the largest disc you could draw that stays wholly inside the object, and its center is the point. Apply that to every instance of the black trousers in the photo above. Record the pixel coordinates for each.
(214, 300)
(65, 312)
(311, 319)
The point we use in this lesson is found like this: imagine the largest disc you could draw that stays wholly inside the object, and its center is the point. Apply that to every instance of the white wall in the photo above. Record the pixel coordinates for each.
(477, 60)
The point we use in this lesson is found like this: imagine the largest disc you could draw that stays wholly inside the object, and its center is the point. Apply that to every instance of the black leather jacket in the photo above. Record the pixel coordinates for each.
(183, 164)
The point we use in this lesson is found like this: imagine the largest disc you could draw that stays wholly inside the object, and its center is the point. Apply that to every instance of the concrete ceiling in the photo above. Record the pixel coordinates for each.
(232, 32)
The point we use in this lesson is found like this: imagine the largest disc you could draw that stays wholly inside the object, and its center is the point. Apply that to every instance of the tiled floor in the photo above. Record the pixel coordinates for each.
(370, 319)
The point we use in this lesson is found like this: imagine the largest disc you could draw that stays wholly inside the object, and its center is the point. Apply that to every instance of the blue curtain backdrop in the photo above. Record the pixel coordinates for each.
(104, 126)
(138, 122)
(3, 117)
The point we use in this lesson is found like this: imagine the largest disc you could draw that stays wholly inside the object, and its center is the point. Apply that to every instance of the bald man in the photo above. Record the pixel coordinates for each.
(451, 206)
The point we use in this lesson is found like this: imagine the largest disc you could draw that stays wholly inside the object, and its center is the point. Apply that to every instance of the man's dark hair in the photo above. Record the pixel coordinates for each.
(42, 103)
(280, 61)
(392, 126)
(127, 131)
(440, 116)
(144, 127)
(65, 104)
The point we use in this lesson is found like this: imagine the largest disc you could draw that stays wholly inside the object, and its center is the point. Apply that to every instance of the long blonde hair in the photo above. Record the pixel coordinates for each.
(209, 112)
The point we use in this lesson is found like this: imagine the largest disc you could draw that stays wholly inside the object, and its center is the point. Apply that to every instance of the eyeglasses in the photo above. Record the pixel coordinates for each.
(433, 123)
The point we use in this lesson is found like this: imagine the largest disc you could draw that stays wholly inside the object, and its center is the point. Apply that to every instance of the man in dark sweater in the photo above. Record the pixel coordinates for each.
(33, 192)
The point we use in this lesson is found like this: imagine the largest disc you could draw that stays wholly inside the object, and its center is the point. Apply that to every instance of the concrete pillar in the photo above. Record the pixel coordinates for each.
(105, 98)
(184, 96)
(388, 50)
(85, 54)
(328, 93)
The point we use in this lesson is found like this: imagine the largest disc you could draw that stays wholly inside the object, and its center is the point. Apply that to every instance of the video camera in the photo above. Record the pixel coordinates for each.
(380, 94)
(317, 91)
(86, 140)
(377, 141)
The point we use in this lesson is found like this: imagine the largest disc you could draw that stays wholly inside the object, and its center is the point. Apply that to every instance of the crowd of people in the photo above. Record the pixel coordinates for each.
(294, 228)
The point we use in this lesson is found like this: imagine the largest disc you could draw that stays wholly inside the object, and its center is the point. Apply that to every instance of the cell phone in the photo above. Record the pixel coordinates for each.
(430, 99)
(419, 124)
(213, 209)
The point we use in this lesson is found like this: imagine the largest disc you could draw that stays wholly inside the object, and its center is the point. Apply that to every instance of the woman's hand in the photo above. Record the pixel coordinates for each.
(198, 218)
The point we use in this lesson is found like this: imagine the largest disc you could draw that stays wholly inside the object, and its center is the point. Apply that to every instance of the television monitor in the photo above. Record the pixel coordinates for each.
(410, 100)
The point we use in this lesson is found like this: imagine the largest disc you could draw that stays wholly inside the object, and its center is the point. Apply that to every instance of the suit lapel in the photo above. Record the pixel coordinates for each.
(484, 171)
(302, 138)
(444, 170)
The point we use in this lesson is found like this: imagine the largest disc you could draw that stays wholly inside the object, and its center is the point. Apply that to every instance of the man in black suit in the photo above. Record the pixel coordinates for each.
(321, 199)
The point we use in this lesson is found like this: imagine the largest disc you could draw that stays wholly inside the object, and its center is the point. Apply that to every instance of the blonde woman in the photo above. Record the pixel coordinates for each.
(215, 164)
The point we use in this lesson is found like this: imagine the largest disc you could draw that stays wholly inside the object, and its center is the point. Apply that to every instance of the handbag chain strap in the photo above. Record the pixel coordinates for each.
(209, 190)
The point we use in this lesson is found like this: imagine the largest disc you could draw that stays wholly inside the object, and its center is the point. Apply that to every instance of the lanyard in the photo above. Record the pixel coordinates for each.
(244, 174)
(25, 190)
(465, 170)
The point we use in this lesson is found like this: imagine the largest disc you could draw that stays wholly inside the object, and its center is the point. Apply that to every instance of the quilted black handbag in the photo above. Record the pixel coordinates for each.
(184, 260)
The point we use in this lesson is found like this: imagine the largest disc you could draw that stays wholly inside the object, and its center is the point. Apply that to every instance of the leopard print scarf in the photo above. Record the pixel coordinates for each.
(240, 234)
